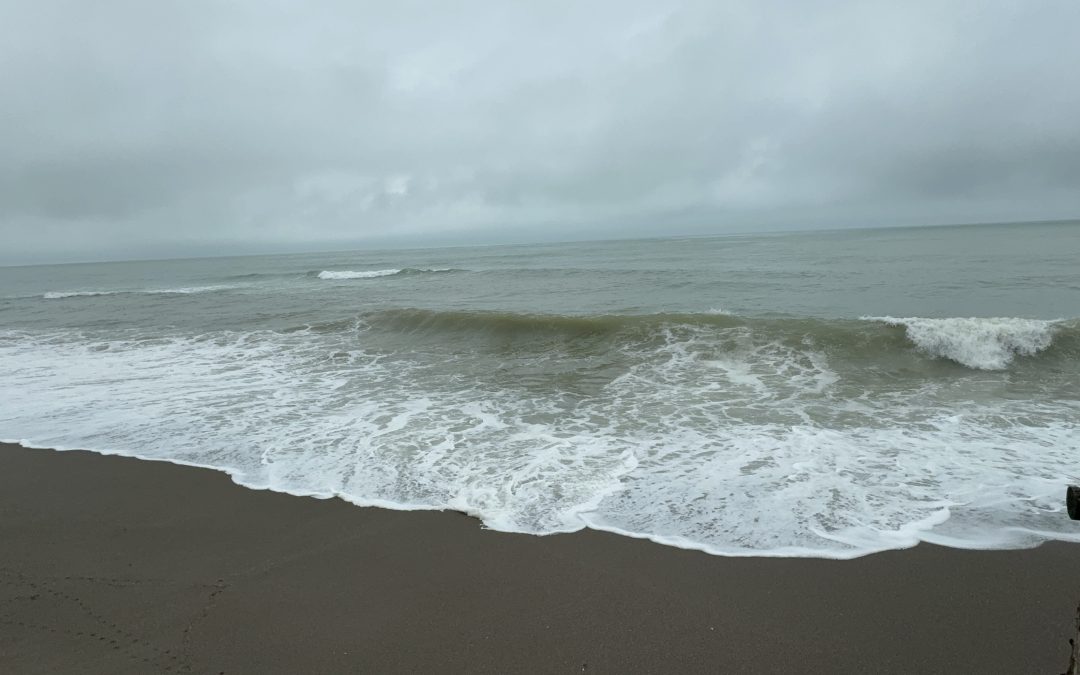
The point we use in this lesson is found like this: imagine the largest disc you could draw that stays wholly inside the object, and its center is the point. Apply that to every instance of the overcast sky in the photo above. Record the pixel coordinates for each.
(132, 128)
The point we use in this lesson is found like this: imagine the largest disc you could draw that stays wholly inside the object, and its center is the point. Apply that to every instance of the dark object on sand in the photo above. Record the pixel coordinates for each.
(1074, 656)
(1072, 501)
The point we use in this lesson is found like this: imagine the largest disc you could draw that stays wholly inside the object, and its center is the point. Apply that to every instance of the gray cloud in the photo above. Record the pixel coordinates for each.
(134, 128)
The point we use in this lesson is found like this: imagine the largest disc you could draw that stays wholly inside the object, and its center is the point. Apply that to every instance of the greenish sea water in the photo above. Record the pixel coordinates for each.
(807, 394)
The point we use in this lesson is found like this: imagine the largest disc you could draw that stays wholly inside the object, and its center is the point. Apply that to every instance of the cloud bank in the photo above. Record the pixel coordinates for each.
(135, 128)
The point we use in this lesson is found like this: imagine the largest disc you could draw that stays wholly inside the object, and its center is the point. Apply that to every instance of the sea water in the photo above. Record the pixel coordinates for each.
(823, 394)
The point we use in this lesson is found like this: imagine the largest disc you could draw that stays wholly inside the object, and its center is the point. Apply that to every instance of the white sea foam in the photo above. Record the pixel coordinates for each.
(365, 274)
(371, 274)
(712, 439)
(982, 343)
(59, 295)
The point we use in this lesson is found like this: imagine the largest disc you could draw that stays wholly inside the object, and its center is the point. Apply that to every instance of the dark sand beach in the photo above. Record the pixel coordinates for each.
(116, 565)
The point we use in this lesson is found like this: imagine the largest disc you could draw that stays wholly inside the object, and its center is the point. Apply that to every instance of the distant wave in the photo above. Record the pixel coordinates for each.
(981, 343)
(348, 274)
(59, 295)
(370, 274)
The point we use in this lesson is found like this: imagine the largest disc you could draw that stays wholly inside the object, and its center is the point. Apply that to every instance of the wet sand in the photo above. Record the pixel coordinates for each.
(116, 565)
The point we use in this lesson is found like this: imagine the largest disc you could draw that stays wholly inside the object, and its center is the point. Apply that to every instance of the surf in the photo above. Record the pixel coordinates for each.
(979, 343)
(341, 275)
(733, 435)
(187, 290)
(973, 343)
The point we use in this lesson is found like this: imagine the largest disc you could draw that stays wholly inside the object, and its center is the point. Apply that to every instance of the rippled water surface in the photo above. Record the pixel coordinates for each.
(814, 394)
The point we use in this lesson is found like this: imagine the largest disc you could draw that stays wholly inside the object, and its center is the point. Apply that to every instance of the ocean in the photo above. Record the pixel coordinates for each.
(818, 394)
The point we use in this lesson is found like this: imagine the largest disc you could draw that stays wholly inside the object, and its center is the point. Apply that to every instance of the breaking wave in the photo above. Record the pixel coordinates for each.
(980, 343)
(371, 274)
(975, 343)
(734, 435)
(61, 295)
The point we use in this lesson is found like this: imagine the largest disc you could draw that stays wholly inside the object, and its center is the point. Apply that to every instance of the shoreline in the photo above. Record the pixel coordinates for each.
(117, 564)
(672, 542)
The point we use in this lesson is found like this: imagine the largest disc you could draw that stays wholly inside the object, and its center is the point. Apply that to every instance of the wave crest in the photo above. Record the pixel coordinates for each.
(371, 274)
(348, 274)
(976, 343)
(980, 343)
(60, 295)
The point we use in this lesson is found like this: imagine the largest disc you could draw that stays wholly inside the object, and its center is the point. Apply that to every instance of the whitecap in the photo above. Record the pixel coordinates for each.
(364, 274)
(60, 295)
(980, 343)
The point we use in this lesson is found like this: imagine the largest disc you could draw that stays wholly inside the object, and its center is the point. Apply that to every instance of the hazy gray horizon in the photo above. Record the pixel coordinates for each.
(209, 252)
(140, 130)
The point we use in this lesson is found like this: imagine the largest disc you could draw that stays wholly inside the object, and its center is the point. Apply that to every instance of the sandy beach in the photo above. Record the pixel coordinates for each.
(117, 565)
